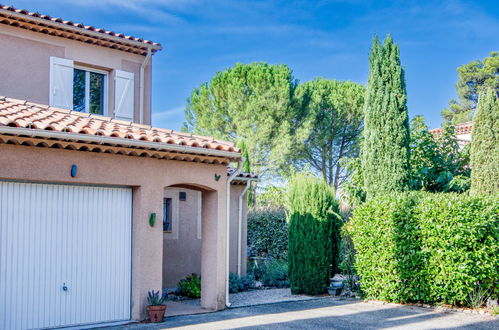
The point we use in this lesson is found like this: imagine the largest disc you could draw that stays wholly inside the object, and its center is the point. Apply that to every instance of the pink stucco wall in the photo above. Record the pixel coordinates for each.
(182, 247)
(148, 177)
(25, 71)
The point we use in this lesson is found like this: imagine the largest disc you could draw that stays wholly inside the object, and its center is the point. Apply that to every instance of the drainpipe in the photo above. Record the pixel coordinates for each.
(142, 69)
(227, 259)
(239, 226)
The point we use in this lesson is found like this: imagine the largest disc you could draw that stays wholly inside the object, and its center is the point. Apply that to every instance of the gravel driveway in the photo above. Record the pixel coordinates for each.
(327, 313)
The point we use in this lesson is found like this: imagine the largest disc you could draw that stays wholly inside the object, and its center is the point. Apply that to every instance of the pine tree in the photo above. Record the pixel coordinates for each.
(314, 227)
(485, 145)
(385, 147)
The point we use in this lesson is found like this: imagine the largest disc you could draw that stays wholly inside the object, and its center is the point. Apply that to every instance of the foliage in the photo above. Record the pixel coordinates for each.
(353, 191)
(275, 274)
(478, 297)
(250, 102)
(314, 226)
(268, 233)
(424, 247)
(473, 79)
(347, 260)
(271, 197)
(271, 272)
(246, 168)
(154, 299)
(329, 124)
(385, 145)
(485, 145)
(437, 164)
(240, 283)
(190, 286)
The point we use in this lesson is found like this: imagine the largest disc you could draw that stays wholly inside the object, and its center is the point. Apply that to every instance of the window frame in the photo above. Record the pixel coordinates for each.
(87, 70)
(166, 213)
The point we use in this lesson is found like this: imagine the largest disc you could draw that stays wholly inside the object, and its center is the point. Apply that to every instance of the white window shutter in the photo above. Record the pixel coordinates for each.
(123, 95)
(61, 83)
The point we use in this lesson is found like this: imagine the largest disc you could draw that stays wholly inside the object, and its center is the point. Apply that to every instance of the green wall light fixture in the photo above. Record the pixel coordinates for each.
(217, 177)
(152, 219)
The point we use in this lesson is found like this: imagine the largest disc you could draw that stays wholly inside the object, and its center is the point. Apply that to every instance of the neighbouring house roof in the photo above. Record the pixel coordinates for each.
(462, 132)
(37, 22)
(461, 129)
(242, 177)
(27, 123)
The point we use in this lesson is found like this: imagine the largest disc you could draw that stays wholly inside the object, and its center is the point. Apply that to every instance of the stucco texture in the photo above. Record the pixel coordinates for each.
(148, 177)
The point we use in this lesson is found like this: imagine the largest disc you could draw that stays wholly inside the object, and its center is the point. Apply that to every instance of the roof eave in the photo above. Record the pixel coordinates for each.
(60, 26)
(128, 143)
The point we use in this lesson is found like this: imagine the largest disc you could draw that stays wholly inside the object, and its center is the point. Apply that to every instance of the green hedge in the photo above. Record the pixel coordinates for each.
(423, 247)
(268, 233)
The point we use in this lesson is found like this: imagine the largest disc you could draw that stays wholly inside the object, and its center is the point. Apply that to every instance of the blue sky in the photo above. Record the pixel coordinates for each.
(329, 39)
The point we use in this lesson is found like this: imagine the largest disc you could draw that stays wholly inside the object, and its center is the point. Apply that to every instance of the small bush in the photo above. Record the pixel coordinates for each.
(268, 233)
(275, 274)
(423, 247)
(240, 283)
(272, 272)
(190, 286)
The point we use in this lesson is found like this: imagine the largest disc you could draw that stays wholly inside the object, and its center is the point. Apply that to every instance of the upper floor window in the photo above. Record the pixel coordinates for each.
(89, 90)
(85, 89)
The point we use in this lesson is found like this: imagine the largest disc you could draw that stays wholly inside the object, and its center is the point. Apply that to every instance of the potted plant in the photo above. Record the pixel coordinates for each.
(156, 308)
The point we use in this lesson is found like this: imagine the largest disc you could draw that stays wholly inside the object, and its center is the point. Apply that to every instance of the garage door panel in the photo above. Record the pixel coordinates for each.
(56, 235)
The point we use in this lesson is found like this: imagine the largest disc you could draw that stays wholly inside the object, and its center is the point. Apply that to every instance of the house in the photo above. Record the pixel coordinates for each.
(462, 132)
(97, 207)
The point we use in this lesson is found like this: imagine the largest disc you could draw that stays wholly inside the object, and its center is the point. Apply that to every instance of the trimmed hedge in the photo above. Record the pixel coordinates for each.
(423, 247)
(268, 233)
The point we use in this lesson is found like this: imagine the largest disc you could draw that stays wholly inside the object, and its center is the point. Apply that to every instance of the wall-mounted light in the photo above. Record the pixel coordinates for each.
(74, 169)
(182, 196)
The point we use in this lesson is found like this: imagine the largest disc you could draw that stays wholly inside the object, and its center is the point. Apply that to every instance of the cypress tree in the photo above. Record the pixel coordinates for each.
(246, 167)
(314, 225)
(485, 145)
(385, 146)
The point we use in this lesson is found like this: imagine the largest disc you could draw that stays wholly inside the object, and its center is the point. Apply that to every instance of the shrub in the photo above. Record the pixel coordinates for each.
(313, 234)
(275, 274)
(423, 247)
(268, 233)
(240, 283)
(271, 272)
(190, 286)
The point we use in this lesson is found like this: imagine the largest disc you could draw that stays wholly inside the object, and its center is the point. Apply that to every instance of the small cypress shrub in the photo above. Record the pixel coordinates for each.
(314, 225)
(485, 145)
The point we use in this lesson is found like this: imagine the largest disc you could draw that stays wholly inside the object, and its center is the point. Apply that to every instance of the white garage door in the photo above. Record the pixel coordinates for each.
(65, 255)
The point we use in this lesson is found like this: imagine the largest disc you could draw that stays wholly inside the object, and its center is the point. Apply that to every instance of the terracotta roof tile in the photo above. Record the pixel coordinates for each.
(61, 24)
(242, 175)
(18, 113)
(461, 129)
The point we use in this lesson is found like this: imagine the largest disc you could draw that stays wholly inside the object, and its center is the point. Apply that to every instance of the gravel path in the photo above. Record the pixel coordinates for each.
(257, 297)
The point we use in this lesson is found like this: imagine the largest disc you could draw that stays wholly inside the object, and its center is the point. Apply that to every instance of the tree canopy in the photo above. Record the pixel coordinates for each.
(247, 101)
(485, 145)
(330, 122)
(385, 147)
(473, 78)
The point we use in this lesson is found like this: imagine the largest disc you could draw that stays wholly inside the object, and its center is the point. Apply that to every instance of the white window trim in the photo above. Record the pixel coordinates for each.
(87, 87)
(173, 194)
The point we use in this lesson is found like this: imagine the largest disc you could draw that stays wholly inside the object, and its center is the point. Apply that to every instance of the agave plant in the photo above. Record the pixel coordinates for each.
(154, 299)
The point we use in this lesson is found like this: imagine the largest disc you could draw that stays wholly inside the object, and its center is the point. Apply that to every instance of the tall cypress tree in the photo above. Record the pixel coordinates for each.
(485, 145)
(246, 167)
(385, 147)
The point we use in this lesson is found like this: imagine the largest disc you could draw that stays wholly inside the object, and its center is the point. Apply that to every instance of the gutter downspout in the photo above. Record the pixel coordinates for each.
(227, 242)
(239, 226)
(142, 69)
